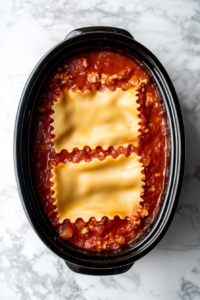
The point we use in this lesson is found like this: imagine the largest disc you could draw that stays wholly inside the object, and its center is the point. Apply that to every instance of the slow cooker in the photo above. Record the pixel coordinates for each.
(80, 260)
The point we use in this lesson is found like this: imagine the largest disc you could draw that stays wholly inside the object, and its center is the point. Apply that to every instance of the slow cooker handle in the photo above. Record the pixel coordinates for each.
(97, 271)
(105, 29)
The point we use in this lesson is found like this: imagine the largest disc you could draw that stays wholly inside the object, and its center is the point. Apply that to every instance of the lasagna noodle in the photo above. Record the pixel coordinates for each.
(105, 119)
(99, 188)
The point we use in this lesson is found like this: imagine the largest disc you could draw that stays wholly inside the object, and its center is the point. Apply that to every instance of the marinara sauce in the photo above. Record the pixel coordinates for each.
(99, 70)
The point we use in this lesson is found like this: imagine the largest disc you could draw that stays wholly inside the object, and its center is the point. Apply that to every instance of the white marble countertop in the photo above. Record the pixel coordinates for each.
(171, 30)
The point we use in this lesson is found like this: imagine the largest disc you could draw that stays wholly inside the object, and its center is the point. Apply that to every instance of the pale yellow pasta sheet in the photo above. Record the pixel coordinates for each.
(98, 188)
(105, 119)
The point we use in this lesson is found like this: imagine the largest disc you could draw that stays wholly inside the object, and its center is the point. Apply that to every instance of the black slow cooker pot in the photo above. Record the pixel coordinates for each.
(81, 260)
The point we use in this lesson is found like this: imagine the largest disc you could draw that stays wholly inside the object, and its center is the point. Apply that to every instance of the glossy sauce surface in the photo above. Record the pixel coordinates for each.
(99, 70)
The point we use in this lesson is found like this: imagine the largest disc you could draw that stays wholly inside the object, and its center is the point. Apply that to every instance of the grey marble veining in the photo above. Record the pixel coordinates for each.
(171, 30)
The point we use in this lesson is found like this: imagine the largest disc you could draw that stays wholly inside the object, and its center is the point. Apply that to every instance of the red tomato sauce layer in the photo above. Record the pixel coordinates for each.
(99, 70)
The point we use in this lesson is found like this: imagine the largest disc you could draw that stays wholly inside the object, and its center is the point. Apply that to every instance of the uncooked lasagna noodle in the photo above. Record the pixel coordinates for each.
(98, 188)
(105, 119)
